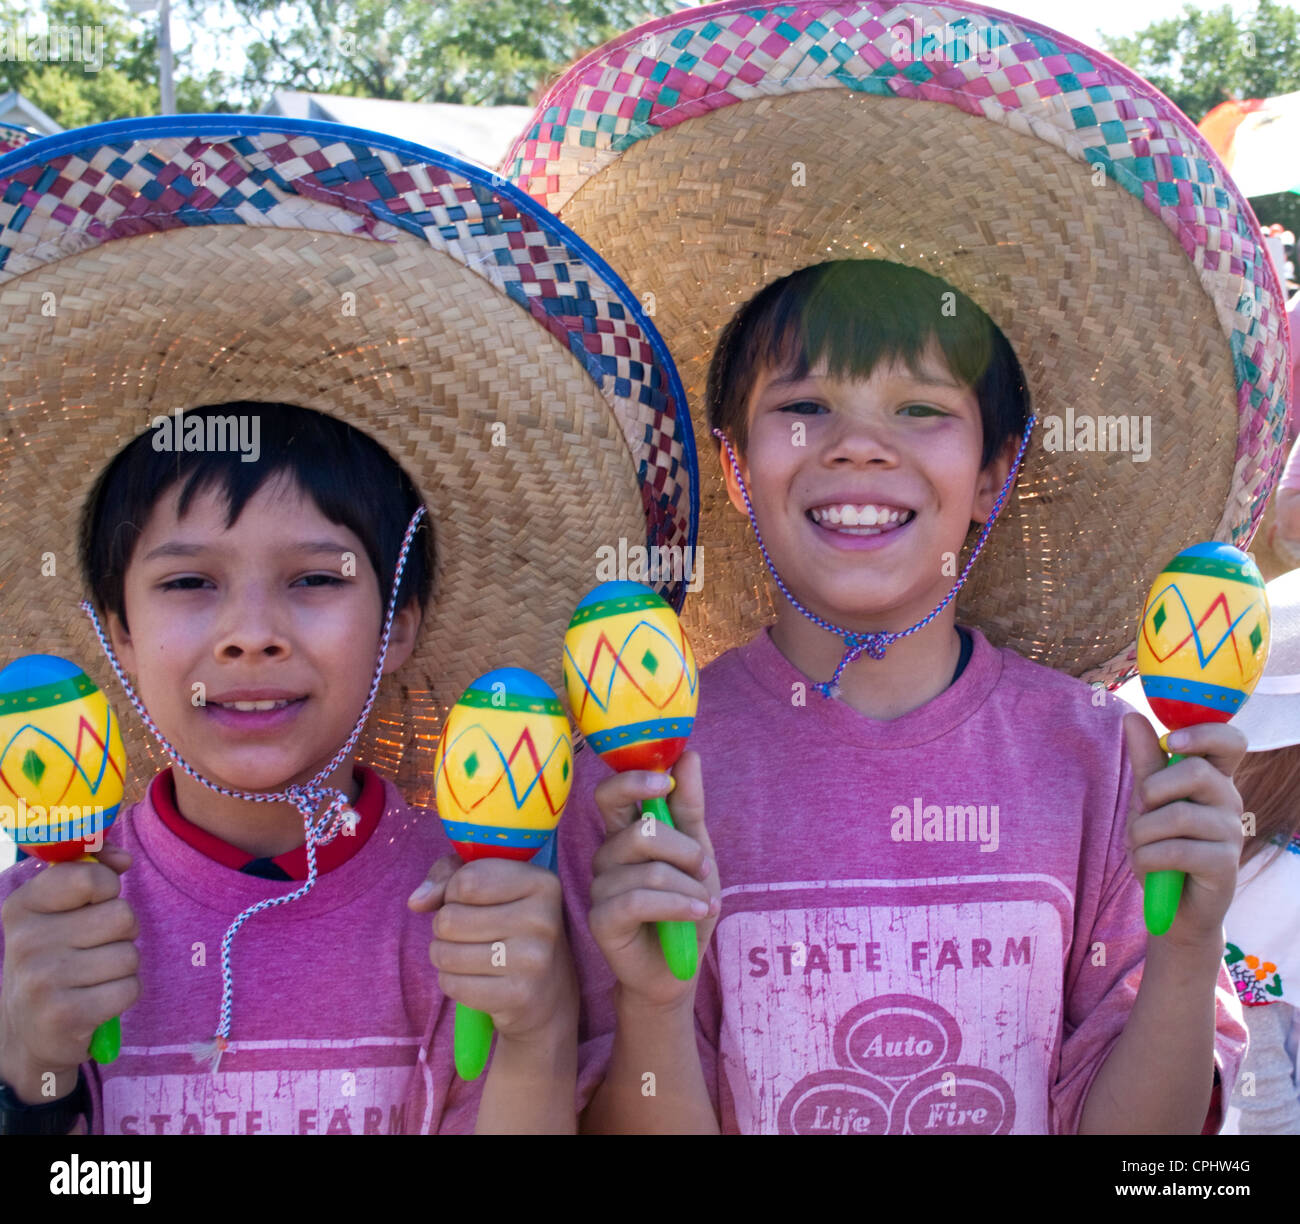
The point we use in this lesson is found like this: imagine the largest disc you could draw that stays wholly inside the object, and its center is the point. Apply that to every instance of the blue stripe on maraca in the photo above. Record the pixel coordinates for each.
(493, 835)
(517, 680)
(87, 824)
(614, 590)
(36, 669)
(639, 733)
(1195, 692)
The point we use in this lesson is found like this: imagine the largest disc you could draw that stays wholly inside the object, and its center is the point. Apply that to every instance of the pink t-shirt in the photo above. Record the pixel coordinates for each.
(928, 924)
(338, 1023)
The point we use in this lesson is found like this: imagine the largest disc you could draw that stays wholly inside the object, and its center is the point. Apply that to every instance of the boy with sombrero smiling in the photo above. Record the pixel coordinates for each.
(341, 320)
(919, 887)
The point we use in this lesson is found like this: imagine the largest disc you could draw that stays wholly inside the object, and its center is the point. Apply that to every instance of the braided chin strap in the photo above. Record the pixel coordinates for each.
(306, 797)
(873, 644)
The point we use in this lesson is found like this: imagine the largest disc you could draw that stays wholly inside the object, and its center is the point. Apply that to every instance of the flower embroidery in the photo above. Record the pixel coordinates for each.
(1250, 975)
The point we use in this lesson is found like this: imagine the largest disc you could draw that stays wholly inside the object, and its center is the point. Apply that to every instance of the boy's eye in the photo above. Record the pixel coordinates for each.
(175, 583)
(803, 407)
(925, 409)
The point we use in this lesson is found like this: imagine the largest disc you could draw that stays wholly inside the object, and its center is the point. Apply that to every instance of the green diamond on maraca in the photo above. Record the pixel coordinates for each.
(649, 662)
(33, 767)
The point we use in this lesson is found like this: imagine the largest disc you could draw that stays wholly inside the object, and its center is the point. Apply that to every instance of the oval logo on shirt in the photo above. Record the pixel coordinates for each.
(896, 1037)
(836, 1103)
(955, 1100)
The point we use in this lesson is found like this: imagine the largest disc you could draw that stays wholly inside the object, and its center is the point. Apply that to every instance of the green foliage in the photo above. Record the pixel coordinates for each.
(480, 52)
(73, 92)
(1205, 57)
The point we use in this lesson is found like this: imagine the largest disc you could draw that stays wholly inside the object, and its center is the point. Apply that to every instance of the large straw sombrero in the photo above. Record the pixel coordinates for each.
(711, 152)
(150, 265)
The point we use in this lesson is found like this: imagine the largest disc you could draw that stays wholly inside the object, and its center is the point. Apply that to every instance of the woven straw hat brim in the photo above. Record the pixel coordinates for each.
(519, 444)
(711, 153)
(14, 137)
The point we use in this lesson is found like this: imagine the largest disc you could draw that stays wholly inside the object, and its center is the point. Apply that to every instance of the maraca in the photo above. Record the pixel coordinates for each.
(1200, 652)
(633, 687)
(62, 773)
(502, 774)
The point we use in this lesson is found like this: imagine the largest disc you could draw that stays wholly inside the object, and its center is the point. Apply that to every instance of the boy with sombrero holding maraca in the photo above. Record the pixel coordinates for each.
(304, 351)
(929, 840)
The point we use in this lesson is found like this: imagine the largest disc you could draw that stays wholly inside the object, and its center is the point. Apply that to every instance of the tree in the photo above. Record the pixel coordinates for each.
(117, 81)
(481, 52)
(1203, 58)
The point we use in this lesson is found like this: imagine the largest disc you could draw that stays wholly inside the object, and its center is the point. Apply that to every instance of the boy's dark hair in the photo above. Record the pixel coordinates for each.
(353, 481)
(854, 312)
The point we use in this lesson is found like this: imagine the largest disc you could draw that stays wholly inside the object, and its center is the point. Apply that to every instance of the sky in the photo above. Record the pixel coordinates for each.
(1081, 19)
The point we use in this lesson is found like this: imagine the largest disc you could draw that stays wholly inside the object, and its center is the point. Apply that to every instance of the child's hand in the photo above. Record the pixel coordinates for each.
(1187, 817)
(499, 943)
(70, 963)
(647, 873)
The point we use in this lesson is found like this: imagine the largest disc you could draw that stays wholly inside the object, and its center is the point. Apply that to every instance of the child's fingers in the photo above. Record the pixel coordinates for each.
(1145, 755)
(1192, 779)
(686, 803)
(115, 857)
(619, 917)
(497, 882)
(428, 896)
(532, 916)
(619, 796)
(1207, 861)
(649, 840)
(63, 887)
(1218, 743)
(662, 877)
(1191, 821)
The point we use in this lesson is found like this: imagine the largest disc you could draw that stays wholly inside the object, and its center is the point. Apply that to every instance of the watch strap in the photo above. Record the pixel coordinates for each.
(49, 1118)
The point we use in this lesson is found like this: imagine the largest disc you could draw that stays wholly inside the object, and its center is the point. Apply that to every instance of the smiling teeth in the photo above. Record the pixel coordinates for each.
(249, 706)
(859, 516)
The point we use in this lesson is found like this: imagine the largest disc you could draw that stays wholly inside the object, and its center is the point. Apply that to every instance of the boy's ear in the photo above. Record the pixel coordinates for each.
(403, 636)
(729, 474)
(991, 479)
(123, 647)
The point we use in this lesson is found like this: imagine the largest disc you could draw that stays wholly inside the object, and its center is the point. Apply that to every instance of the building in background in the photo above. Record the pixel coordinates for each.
(476, 133)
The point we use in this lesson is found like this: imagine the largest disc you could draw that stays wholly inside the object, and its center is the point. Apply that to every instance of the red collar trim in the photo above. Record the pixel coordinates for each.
(369, 807)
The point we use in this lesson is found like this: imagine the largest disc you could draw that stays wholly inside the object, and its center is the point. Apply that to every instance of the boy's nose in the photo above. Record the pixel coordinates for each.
(860, 441)
(251, 627)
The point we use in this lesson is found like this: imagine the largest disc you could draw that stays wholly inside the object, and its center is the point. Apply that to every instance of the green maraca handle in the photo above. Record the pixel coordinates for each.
(1162, 890)
(106, 1041)
(472, 1042)
(677, 939)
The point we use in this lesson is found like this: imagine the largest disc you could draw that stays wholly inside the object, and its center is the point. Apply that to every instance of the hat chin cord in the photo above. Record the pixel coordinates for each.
(874, 644)
(307, 797)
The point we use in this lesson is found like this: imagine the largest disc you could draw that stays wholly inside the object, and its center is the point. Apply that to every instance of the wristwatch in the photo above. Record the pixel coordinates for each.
(52, 1118)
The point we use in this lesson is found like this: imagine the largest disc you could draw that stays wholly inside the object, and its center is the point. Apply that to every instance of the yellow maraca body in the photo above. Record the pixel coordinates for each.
(62, 773)
(504, 766)
(1202, 647)
(1204, 636)
(62, 760)
(631, 677)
